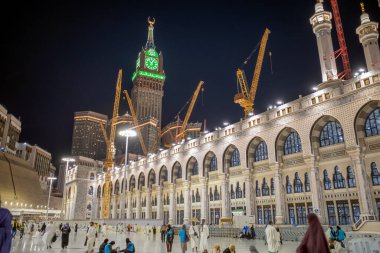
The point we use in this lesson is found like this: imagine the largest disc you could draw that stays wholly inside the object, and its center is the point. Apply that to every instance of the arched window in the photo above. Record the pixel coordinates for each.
(350, 178)
(90, 190)
(211, 195)
(197, 197)
(261, 152)
(213, 164)
(338, 179)
(307, 182)
(181, 199)
(375, 174)
(292, 144)
(195, 168)
(235, 158)
(326, 180)
(298, 187)
(117, 187)
(89, 207)
(265, 188)
(272, 186)
(243, 189)
(239, 193)
(232, 192)
(258, 192)
(372, 123)
(331, 134)
(216, 194)
(193, 197)
(288, 185)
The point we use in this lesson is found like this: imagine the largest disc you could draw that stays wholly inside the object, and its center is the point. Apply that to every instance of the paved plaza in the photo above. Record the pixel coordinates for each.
(143, 243)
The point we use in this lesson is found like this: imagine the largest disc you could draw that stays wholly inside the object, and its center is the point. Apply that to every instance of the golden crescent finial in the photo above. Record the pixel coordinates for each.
(151, 21)
(362, 7)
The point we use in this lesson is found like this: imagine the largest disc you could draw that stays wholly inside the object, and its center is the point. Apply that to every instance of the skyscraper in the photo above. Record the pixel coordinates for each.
(147, 92)
(88, 139)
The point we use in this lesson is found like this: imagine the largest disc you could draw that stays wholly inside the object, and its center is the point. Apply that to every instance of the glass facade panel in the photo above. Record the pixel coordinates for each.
(235, 158)
(298, 187)
(292, 144)
(338, 179)
(375, 174)
(265, 188)
(343, 213)
(267, 214)
(331, 214)
(213, 164)
(259, 215)
(291, 214)
(301, 214)
(372, 124)
(355, 211)
(261, 152)
(350, 178)
(331, 134)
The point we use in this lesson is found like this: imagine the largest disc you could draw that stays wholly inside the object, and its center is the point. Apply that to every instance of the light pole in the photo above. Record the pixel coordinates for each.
(126, 133)
(67, 160)
(51, 183)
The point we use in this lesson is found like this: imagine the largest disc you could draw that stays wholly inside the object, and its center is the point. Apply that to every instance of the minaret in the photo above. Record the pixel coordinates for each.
(368, 37)
(321, 23)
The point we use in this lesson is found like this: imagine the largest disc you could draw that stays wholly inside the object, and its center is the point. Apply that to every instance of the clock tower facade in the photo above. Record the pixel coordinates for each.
(147, 92)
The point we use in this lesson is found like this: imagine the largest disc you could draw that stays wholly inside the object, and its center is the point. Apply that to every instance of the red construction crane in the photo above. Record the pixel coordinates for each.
(342, 51)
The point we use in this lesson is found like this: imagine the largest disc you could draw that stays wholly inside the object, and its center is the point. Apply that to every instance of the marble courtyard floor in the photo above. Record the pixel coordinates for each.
(144, 244)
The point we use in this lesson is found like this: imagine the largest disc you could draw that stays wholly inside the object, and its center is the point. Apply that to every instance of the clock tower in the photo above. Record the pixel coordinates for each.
(147, 92)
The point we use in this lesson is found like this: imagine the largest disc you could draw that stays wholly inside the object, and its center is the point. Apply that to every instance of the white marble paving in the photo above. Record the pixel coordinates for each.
(143, 243)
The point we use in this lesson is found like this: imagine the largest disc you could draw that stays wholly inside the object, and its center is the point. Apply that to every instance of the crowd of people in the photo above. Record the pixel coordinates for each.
(196, 235)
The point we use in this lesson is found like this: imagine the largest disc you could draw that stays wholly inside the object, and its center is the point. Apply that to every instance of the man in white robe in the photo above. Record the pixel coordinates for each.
(205, 234)
(91, 237)
(194, 236)
(48, 236)
(272, 238)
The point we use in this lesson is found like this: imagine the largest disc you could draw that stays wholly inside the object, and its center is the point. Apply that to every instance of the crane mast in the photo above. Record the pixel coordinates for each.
(109, 162)
(181, 133)
(246, 97)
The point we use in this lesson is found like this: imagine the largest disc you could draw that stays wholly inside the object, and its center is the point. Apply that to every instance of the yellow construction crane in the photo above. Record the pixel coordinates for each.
(181, 133)
(246, 97)
(135, 121)
(110, 142)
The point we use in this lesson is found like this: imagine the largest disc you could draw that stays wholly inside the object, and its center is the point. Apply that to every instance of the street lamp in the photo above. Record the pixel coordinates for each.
(127, 133)
(51, 182)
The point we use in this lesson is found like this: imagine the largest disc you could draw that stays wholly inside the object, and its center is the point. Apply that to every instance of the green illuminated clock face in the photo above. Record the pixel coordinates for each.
(151, 63)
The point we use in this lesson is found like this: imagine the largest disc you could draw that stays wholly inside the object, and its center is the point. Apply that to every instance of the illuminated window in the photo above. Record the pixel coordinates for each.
(307, 183)
(350, 178)
(326, 180)
(239, 192)
(232, 192)
(375, 174)
(372, 124)
(292, 144)
(261, 152)
(338, 179)
(298, 187)
(235, 158)
(195, 168)
(265, 188)
(213, 164)
(288, 185)
(211, 195)
(216, 194)
(272, 186)
(197, 197)
(331, 134)
(258, 192)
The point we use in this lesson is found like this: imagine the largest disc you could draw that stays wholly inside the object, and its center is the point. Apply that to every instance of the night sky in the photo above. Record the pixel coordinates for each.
(58, 57)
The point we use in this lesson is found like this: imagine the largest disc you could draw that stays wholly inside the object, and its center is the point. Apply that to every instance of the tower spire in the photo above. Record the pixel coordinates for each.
(150, 41)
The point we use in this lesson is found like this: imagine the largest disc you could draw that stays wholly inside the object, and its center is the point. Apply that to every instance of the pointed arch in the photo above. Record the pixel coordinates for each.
(288, 142)
(257, 150)
(141, 182)
(231, 158)
(117, 187)
(210, 163)
(361, 118)
(132, 183)
(192, 168)
(176, 171)
(151, 178)
(163, 175)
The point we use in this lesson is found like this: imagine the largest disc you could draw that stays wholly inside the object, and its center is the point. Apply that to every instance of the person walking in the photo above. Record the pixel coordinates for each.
(91, 237)
(253, 233)
(130, 247)
(183, 238)
(169, 238)
(205, 234)
(163, 233)
(5, 230)
(65, 235)
(340, 235)
(271, 237)
(22, 230)
(194, 236)
(48, 236)
(314, 239)
(76, 228)
(231, 248)
(43, 229)
(14, 228)
(103, 245)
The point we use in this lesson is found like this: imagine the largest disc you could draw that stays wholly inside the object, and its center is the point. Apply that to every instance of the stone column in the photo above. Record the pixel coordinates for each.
(148, 214)
(187, 211)
(159, 202)
(249, 193)
(363, 183)
(123, 196)
(138, 205)
(204, 199)
(129, 207)
(94, 211)
(316, 190)
(226, 201)
(172, 209)
(280, 203)
(114, 206)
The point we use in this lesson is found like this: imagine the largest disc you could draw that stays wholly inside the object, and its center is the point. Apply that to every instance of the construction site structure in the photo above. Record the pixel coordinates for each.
(246, 95)
(169, 132)
(110, 142)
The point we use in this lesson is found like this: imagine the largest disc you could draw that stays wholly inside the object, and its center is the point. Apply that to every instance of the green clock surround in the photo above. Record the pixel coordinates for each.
(151, 63)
